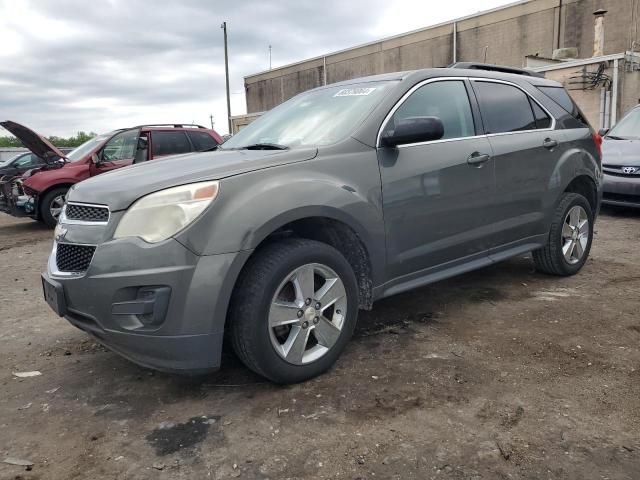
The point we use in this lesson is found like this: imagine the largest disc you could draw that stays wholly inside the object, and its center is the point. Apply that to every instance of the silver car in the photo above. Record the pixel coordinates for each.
(621, 162)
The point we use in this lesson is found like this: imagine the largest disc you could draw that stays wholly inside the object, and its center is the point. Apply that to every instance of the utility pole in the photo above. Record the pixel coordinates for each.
(211, 118)
(269, 57)
(226, 72)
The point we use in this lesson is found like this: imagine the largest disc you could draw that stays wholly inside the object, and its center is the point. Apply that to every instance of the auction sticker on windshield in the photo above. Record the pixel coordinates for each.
(354, 92)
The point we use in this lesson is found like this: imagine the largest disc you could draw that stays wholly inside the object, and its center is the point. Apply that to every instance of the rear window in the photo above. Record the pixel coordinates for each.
(202, 141)
(169, 143)
(560, 96)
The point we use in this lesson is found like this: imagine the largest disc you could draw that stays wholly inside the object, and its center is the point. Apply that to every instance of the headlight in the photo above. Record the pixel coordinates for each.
(162, 214)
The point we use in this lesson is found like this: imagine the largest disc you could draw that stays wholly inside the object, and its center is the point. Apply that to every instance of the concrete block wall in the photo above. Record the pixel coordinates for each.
(534, 27)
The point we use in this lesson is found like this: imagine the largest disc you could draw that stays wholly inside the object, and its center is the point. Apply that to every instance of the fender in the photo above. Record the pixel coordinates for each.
(577, 160)
(242, 217)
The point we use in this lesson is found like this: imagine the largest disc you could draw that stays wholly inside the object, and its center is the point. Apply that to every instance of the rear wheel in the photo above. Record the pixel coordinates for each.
(570, 237)
(293, 310)
(51, 205)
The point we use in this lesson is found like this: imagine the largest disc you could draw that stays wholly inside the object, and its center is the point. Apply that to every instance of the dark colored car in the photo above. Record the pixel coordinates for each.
(621, 162)
(20, 164)
(339, 197)
(42, 193)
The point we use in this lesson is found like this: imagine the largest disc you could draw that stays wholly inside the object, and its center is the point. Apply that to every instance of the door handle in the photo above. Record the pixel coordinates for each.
(478, 159)
(549, 144)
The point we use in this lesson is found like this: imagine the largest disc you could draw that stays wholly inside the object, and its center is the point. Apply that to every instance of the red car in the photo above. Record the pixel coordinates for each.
(40, 193)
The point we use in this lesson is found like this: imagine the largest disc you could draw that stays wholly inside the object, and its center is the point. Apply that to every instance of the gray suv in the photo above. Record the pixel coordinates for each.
(339, 197)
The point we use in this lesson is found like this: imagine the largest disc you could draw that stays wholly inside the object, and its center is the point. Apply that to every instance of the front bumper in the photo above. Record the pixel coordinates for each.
(621, 190)
(159, 305)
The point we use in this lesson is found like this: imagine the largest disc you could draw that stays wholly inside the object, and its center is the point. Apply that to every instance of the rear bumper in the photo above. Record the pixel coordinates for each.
(160, 306)
(621, 191)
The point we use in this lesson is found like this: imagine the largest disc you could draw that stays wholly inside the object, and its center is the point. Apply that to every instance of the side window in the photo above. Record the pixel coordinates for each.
(447, 100)
(504, 108)
(542, 119)
(26, 161)
(169, 143)
(122, 146)
(202, 141)
(560, 96)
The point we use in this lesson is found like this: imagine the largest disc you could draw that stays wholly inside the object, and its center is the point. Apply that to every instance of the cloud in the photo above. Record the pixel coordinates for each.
(70, 65)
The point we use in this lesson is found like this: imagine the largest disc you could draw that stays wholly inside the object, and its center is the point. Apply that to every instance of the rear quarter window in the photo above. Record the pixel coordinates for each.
(202, 141)
(562, 98)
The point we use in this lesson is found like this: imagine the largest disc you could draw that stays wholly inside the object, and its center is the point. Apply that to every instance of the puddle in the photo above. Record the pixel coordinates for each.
(170, 437)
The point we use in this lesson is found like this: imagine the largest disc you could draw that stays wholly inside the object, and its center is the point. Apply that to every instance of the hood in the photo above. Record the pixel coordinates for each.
(121, 187)
(621, 152)
(34, 142)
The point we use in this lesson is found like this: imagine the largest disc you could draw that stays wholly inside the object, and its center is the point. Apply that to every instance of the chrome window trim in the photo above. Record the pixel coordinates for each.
(471, 79)
(68, 221)
(53, 266)
(404, 98)
(544, 109)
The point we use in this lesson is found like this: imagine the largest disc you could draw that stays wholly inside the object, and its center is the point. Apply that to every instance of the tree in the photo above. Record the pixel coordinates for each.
(78, 139)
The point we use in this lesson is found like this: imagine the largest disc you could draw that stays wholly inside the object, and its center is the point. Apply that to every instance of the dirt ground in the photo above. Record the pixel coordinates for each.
(502, 373)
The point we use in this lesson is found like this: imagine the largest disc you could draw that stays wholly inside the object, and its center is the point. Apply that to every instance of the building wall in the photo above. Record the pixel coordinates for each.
(508, 35)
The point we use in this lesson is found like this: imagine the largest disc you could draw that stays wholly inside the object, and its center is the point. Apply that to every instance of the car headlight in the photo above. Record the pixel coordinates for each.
(162, 214)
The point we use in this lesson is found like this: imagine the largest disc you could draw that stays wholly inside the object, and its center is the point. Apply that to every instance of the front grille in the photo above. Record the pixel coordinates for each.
(87, 213)
(631, 171)
(73, 258)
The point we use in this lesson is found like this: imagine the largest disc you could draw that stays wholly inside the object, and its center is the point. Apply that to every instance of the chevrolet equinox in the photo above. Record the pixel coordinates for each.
(339, 197)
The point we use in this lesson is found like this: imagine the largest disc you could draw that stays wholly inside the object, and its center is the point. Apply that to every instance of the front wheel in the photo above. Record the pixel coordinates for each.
(570, 237)
(293, 310)
(51, 205)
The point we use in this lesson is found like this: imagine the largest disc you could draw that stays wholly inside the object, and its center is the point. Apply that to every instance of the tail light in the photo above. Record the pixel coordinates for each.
(597, 139)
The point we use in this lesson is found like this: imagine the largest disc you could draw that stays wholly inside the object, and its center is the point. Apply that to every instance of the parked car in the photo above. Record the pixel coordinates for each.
(20, 164)
(621, 162)
(339, 197)
(41, 194)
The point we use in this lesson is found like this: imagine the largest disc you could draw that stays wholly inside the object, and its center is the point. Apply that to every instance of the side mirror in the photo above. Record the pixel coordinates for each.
(95, 158)
(603, 131)
(414, 130)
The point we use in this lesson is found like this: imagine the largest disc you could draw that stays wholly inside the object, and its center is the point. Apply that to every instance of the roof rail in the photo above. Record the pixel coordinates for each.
(495, 68)
(174, 125)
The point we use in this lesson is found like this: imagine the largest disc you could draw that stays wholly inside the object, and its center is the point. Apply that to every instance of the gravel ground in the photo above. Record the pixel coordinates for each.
(501, 373)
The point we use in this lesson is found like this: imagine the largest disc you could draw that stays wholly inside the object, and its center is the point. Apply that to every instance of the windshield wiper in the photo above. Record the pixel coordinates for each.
(264, 146)
(613, 137)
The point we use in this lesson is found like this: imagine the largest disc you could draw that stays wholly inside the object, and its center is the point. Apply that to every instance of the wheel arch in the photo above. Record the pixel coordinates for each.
(41, 194)
(332, 227)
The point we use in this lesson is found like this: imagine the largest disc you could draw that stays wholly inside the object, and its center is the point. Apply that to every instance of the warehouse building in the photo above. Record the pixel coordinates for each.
(590, 45)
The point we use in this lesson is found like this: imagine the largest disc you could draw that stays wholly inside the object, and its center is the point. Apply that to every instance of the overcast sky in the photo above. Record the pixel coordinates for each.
(71, 65)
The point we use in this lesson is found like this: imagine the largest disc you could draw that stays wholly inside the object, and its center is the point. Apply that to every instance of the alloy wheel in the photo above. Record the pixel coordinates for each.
(575, 234)
(55, 207)
(307, 313)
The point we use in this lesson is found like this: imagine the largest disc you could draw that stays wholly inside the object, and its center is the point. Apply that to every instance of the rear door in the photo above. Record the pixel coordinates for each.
(436, 194)
(526, 148)
(169, 142)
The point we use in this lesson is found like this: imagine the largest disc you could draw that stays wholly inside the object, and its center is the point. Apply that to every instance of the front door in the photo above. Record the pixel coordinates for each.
(117, 152)
(436, 194)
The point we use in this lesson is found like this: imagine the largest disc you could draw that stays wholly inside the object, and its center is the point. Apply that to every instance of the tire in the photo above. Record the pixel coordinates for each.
(278, 270)
(46, 204)
(552, 259)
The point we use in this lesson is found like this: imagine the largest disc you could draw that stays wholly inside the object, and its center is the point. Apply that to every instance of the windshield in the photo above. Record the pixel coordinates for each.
(628, 127)
(87, 147)
(319, 117)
